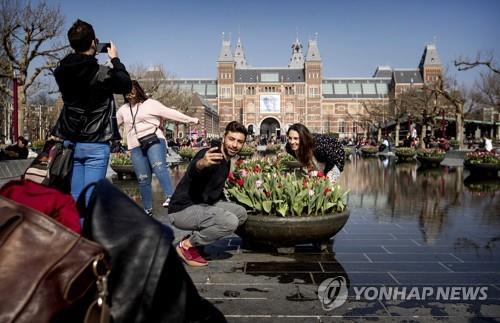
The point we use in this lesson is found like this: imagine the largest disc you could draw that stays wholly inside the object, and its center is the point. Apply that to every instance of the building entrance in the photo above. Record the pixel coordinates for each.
(270, 128)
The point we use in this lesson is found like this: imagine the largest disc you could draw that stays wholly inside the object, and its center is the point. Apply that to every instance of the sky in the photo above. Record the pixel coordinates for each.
(354, 37)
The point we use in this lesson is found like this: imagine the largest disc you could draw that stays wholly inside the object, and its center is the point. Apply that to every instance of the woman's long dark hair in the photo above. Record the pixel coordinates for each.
(305, 152)
(140, 95)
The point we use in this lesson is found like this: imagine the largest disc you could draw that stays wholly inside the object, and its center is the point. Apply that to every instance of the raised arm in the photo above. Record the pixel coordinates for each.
(172, 114)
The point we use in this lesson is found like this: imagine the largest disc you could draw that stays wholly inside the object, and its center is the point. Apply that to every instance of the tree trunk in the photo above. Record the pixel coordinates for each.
(459, 127)
(396, 137)
(379, 134)
(21, 111)
(423, 132)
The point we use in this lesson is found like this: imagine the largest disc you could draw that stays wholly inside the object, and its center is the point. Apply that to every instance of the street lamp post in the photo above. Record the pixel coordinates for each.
(39, 122)
(15, 108)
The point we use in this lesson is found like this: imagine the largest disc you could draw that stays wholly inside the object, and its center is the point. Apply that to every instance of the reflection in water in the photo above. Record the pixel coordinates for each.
(433, 199)
(437, 201)
(130, 188)
(482, 186)
(432, 213)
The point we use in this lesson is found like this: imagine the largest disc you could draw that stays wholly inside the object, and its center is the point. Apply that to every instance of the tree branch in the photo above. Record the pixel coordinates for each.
(464, 65)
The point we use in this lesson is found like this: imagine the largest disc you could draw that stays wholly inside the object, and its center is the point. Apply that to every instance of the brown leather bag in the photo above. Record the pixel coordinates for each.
(46, 269)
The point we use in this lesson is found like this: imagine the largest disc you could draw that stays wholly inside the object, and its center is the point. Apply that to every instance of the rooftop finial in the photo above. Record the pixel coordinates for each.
(223, 36)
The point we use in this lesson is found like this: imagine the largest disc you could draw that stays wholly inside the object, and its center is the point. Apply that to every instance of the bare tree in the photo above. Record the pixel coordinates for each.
(373, 115)
(43, 115)
(486, 91)
(482, 59)
(29, 38)
(443, 88)
(424, 104)
(150, 78)
(161, 86)
(401, 107)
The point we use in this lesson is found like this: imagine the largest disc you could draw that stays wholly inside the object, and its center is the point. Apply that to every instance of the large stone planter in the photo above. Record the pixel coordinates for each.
(430, 161)
(402, 157)
(369, 152)
(483, 170)
(123, 170)
(482, 185)
(285, 233)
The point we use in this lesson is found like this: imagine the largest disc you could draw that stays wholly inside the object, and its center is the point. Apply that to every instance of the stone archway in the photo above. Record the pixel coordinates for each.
(270, 127)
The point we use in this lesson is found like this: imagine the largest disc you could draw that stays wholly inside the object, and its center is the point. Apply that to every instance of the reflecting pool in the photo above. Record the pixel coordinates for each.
(434, 229)
(445, 205)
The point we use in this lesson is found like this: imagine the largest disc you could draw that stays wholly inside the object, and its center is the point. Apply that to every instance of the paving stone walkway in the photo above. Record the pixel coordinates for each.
(263, 286)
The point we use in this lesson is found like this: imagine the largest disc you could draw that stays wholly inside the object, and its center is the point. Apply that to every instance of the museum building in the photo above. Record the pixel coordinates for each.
(268, 100)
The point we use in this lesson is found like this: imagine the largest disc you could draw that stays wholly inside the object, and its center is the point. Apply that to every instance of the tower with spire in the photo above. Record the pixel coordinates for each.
(239, 55)
(225, 54)
(297, 59)
(314, 76)
(225, 79)
(430, 65)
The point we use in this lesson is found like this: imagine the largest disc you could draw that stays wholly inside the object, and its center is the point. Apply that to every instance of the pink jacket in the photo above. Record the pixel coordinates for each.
(149, 115)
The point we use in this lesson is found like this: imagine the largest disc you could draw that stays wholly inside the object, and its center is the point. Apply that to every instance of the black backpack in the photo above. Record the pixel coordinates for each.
(148, 282)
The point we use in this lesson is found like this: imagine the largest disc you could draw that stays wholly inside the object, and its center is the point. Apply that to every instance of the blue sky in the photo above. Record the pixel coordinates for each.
(354, 36)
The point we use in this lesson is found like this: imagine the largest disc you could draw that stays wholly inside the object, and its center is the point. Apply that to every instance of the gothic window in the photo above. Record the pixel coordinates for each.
(251, 90)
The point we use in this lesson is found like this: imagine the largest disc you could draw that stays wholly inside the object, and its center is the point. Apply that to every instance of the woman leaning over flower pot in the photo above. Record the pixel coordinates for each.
(315, 152)
(142, 117)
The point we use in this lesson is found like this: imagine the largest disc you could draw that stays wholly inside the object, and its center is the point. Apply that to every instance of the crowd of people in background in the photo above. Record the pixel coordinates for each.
(18, 150)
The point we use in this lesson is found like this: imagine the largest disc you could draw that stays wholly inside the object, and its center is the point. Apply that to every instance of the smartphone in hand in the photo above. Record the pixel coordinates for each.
(216, 143)
(103, 47)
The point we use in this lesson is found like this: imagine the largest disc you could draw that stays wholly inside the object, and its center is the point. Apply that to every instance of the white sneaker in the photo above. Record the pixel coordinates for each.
(167, 202)
(148, 212)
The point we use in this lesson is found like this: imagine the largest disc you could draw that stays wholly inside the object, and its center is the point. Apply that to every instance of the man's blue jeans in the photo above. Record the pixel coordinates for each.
(90, 163)
(154, 160)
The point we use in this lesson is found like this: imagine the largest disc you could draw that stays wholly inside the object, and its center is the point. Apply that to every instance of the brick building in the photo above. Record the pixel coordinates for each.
(269, 99)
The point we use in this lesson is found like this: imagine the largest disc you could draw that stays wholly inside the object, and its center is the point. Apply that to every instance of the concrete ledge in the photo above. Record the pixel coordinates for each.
(455, 158)
(14, 168)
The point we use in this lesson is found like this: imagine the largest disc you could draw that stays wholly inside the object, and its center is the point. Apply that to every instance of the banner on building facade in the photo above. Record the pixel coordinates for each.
(270, 103)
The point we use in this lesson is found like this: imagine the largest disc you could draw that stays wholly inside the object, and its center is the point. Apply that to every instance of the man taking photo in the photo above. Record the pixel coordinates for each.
(198, 203)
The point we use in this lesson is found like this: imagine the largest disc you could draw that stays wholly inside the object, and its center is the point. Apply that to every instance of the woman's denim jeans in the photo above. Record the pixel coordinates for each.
(90, 163)
(154, 159)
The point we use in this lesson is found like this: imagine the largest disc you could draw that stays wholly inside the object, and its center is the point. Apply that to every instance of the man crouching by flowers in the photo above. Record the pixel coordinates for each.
(198, 201)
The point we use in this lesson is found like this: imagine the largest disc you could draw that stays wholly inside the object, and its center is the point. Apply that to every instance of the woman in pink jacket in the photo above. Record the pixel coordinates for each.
(142, 117)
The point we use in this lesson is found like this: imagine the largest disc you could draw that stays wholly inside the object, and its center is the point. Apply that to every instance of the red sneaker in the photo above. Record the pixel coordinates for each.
(191, 256)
